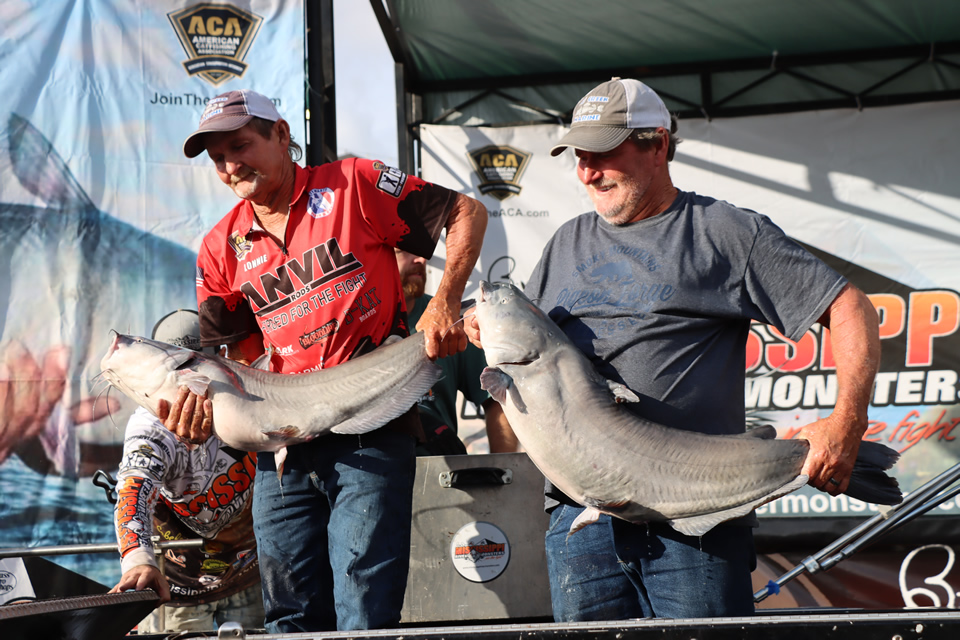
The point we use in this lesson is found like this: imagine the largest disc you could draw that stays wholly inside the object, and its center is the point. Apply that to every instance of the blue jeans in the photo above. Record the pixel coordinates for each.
(619, 570)
(586, 581)
(334, 539)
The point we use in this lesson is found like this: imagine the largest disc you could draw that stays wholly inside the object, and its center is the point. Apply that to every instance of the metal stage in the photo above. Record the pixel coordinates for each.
(914, 624)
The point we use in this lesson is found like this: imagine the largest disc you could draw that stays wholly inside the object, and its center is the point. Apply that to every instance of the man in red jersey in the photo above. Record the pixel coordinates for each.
(304, 265)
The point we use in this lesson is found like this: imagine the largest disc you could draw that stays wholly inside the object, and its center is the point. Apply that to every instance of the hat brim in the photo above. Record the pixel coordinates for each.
(194, 145)
(594, 139)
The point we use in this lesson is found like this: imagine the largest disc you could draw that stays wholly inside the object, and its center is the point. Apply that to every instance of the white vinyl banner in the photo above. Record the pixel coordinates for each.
(528, 193)
(873, 193)
(876, 187)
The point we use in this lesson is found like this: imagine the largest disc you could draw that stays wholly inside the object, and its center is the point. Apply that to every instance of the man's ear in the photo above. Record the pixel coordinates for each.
(282, 127)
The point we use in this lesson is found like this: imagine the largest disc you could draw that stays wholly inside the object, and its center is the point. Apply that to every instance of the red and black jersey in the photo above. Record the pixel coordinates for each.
(331, 289)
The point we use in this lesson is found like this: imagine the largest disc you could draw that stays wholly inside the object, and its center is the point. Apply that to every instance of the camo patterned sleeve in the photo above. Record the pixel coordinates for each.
(406, 212)
(138, 489)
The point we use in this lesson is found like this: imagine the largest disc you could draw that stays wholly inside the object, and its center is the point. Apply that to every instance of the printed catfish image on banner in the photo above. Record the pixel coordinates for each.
(71, 273)
(216, 39)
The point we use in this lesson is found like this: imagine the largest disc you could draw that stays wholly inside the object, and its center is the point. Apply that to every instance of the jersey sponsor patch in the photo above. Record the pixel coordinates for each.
(319, 335)
(144, 458)
(391, 181)
(320, 202)
(240, 245)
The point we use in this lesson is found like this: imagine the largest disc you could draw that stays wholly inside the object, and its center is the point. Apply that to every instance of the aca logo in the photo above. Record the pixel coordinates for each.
(216, 39)
(500, 168)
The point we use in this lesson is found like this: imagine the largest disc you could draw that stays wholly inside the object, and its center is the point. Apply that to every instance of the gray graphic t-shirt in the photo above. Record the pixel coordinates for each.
(664, 305)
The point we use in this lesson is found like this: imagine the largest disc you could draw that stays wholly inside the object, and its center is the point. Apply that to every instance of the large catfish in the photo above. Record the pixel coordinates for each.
(574, 428)
(255, 410)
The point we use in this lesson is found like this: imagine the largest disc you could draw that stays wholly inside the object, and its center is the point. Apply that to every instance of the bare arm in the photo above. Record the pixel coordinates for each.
(191, 416)
(500, 434)
(465, 228)
(835, 440)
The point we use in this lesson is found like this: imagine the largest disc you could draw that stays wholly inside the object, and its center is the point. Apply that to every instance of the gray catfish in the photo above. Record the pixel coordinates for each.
(572, 425)
(257, 410)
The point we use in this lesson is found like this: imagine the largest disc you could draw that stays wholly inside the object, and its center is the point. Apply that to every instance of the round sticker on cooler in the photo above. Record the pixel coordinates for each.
(480, 551)
(320, 202)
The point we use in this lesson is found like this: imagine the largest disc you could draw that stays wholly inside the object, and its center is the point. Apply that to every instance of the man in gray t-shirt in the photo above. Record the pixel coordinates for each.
(658, 287)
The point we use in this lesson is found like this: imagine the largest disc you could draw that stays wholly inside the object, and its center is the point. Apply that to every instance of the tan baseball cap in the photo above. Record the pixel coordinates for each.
(606, 116)
(228, 112)
(181, 328)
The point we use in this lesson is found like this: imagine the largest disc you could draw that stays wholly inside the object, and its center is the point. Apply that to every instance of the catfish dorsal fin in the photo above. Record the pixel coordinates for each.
(263, 362)
(41, 170)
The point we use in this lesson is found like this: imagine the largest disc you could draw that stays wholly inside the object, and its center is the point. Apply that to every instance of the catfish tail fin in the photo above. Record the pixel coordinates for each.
(868, 482)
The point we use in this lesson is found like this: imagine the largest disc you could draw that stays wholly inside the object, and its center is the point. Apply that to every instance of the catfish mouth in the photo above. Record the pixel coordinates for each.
(114, 343)
(518, 363)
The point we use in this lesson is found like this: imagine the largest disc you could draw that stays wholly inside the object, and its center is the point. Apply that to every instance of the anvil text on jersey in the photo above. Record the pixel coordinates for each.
(316, 267)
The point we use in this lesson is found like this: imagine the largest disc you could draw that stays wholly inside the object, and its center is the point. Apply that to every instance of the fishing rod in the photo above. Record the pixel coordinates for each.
(917, 503)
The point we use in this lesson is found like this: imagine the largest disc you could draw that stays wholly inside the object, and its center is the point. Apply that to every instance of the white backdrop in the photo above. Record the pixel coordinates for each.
(875, 187)
(874, 190)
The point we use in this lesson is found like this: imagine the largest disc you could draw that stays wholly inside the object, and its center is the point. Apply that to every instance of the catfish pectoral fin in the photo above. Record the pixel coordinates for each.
(498, 384)
(278, 459)
(195, 382)
(588, 516)
(621, 393)
(495, 382)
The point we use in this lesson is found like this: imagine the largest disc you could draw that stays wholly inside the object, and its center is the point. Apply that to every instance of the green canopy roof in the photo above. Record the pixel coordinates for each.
(844, 46)
(497, 62)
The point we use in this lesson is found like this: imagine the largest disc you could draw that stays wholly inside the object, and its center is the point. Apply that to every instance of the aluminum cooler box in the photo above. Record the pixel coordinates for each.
(476, 548)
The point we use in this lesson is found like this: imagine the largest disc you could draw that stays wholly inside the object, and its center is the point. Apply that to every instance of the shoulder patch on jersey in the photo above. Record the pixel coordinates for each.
(391, 181)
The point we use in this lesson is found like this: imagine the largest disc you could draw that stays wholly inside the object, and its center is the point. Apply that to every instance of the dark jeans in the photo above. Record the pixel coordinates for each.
(334, 539)
(619, 570)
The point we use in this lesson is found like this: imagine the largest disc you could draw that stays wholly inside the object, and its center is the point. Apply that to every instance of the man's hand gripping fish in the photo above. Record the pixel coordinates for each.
(569, 420)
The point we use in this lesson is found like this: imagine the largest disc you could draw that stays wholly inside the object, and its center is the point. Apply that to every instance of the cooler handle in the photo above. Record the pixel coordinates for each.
(476, 477)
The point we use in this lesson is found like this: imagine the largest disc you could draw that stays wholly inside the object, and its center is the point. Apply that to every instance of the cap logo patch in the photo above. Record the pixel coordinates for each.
(320, 202)
(598, 99)
(209, 114)
(216, 39)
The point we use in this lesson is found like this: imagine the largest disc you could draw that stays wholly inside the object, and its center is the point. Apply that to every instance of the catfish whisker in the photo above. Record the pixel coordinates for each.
(447, 330)
(105, 392)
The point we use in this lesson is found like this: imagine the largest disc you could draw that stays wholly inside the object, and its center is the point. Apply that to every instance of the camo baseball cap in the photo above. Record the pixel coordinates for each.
(606, 116)
(181, 328)
(228, 112)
